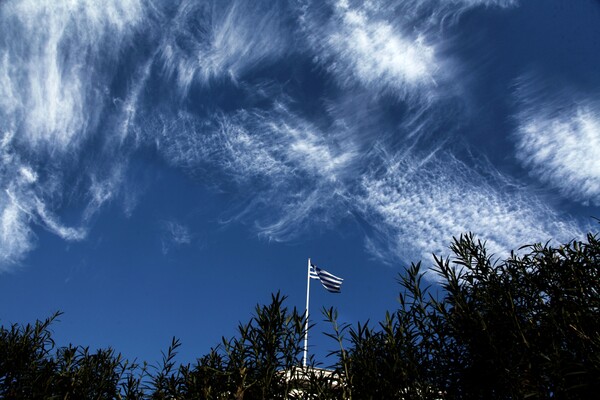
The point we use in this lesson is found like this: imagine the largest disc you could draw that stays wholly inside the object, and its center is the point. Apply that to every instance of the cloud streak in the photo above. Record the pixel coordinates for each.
(282, 161)
(16, 236)
(358, 45)
(50, 57)
(558, 141)
(207, 42)
(421, 202)
(174, 235)
(54, 88)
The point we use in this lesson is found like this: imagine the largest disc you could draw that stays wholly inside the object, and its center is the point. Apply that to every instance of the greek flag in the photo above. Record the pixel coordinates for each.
(329, 281)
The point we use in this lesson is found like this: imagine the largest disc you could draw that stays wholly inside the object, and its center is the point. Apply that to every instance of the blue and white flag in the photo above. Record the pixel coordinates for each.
(329, 281)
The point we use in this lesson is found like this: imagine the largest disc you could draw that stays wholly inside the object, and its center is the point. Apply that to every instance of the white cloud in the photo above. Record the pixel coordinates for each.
(48, 75)
(298, 175)
(104, 186)
(54, 85)
(250, 144)
(360, 45)
(28, 175)
(16, 236)
(558, 140)
(49, 221)
(421, 203)
(283, 165)
(378, 53)
(223, 41)
(563, 151)
(387, 46)
(19, 210)
(174, 235)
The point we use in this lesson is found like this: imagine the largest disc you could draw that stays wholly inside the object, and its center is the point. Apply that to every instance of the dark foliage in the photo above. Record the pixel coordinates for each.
(525, 327)
(29, 369)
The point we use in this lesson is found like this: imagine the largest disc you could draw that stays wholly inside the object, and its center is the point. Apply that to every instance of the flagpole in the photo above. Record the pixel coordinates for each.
(306, 322)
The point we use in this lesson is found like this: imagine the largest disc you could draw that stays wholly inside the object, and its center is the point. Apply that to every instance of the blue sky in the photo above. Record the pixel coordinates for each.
(166, 165)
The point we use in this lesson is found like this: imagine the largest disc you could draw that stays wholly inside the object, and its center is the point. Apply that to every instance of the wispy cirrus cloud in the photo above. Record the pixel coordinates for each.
(389, 47)
(54, 85)
(359, 45)
(413, 201)
(223, 40)
(376, 52)
(16, 236)
(558, 140)
(284, 163)
(248, 144)
(174, 235)
(23, 203)
(50, 56)
(422, 202)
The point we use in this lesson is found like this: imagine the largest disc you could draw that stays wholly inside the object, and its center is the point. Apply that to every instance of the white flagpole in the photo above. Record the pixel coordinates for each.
(306, 322)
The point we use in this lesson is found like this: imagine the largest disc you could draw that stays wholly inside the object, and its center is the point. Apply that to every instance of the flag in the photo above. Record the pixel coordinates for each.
(329, 281)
